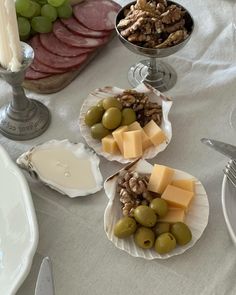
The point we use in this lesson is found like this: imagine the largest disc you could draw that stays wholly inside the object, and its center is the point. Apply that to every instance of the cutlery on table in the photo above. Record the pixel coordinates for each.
(45, 284)
(227, 150)
(230, 172)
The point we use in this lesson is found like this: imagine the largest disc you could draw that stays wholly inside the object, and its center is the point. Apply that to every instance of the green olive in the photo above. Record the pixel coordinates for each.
(111, 102)
(100, 104)
(161, 227)
(128, 116)
(145, 216)
(181, 232)
(93, 115)
(160, 206)
(165, 243)
(125, 227)
(98, 131)
(111, 118)
(144, 238)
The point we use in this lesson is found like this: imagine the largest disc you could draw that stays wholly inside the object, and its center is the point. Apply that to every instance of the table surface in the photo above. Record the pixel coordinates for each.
(71, 230)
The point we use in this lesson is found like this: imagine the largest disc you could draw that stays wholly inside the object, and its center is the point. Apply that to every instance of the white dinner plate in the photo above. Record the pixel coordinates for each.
(18, 226)
(196, 217)
(228, 198)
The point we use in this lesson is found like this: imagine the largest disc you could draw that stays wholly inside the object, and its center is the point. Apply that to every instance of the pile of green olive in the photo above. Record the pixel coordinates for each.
(148, 232)
(107, 116)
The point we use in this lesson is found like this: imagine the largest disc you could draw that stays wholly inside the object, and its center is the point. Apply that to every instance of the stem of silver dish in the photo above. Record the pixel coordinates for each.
(23, 118)
(152, 70)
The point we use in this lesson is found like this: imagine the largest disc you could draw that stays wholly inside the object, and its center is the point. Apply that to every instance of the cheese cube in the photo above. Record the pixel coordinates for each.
(186, 184)
(146, 142)
(109, 145)
(160, 177)
(177, 197)
(173, 215)
(154, 132)
(118, 136)
(132, 144)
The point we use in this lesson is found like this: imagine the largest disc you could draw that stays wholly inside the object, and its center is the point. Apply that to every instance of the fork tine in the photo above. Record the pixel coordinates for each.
(230, 172)
(232, 168)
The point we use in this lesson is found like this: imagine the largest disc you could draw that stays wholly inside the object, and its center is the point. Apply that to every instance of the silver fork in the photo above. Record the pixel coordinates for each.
(230, 172)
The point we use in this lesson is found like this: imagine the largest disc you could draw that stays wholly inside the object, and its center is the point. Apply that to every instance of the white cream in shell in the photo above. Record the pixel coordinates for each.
(196, 218)
(69, 168)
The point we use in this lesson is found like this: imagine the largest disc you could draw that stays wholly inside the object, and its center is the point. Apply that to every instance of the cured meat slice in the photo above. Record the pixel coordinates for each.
(52, 60)
(73, 25)
(71, 39)
(98, 15)
(33, 75)
(39, 67)
(55, 46)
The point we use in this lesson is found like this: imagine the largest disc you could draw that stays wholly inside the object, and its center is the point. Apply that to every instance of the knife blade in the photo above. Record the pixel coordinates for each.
(224, 148)
(45, 284)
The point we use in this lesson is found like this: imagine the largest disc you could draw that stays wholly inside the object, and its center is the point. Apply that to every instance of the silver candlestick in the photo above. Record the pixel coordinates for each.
(23, 118)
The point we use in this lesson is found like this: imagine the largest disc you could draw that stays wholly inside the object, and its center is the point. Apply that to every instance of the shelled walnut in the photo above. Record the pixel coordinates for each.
(145, 110)
(132, 189)
(154, 24)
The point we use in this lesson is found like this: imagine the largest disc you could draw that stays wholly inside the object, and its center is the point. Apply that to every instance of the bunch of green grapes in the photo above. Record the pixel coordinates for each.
(37, 16)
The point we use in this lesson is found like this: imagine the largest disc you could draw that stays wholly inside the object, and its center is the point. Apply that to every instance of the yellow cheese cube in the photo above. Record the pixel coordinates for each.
(109, 145)
(132, 144)
(177, 197)
(187, 184)
(173, 215)
(154, 132)
(145, 140)
(118, 136)
(160, 177)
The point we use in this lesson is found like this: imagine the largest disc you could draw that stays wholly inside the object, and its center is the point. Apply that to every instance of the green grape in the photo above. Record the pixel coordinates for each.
(30, 12)
(49, 11)
(23, 25)
(56, 3)
(22, 5)
(65, 10)
(37, 9)
(41, 24)
(41, 2)
(24, 28)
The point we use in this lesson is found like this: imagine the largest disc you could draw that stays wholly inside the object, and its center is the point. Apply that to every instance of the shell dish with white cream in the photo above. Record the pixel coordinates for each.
(69, 168)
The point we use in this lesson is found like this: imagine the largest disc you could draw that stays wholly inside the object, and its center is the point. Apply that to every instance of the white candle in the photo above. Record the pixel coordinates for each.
(10, 48)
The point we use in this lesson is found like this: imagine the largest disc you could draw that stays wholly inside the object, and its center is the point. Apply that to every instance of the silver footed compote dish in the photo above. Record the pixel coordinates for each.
(154, 29)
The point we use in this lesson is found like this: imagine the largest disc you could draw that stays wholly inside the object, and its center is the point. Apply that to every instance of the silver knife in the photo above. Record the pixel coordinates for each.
(221, 147)
(45, 284)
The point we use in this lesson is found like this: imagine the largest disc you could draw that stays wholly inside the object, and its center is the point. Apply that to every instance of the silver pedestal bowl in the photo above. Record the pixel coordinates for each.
(158, 74)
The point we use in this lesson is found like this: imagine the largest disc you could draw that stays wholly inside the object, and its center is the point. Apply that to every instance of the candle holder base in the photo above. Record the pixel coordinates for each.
(24, 124)
(23, 118)
(163, 77)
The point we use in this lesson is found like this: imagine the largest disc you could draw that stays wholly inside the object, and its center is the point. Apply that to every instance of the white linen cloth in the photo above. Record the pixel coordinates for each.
(71, 230)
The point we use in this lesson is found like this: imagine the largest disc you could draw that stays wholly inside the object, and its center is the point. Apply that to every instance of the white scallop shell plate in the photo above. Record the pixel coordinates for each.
(196, 217)
(154, 95)
(79, 151)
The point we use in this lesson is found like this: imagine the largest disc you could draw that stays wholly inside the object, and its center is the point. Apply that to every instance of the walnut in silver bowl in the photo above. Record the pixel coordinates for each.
(156, 29)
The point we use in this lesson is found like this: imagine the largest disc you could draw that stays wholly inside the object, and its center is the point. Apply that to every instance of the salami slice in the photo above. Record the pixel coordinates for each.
(33, 75)
(55, 61)
(71, 39)
(37, 66)
(73, 25)
(55, 46)
(97, 15)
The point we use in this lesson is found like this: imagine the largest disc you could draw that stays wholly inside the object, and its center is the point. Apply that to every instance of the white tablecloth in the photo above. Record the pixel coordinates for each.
(71, 230)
